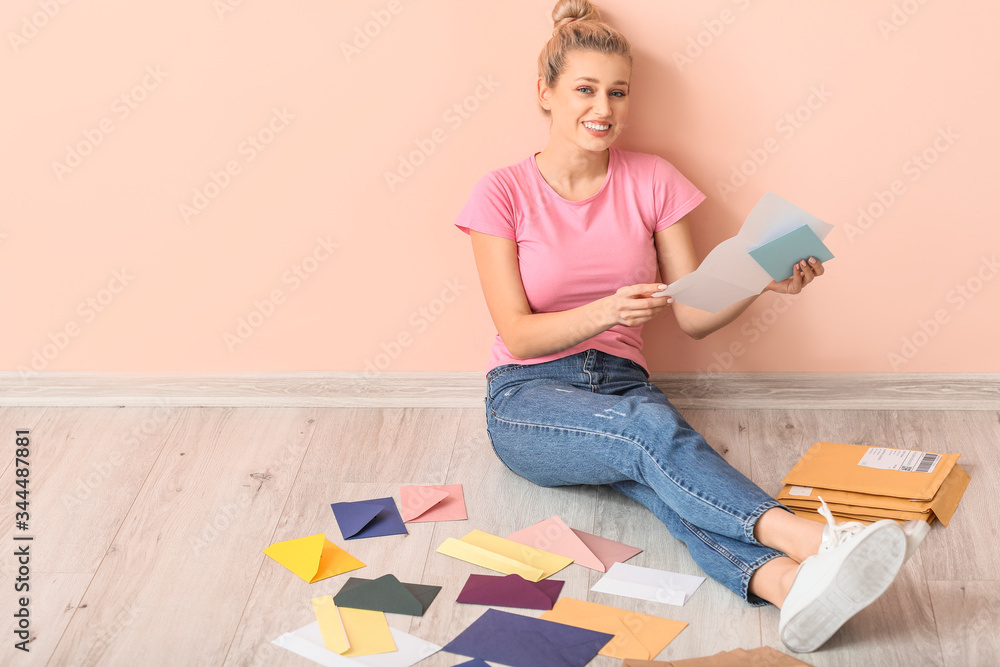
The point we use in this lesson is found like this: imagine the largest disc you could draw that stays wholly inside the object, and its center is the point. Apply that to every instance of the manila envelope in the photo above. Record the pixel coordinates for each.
(636, 635)
(505, 556)
(943, 504)
(866, 519)
(313, 558)
(834, 465)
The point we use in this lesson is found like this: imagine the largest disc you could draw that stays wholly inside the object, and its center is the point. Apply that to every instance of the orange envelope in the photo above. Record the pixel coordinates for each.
(834, 465)
(817, 517)
(943, 504)
(313, 558)
(639, 636)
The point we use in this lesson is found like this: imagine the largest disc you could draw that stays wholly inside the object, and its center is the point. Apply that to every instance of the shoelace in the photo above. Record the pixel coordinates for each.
(835, 534)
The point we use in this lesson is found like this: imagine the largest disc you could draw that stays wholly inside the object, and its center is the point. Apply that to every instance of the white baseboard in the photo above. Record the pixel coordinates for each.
(806, 391)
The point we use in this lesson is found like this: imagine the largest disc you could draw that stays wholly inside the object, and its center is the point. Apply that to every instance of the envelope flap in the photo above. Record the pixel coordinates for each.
(945, 501)
(546, 561)
(354, 517)
(415, 500)
(489, 559)
(554, 536)
(386, 594)
(301, 555)
(334, 561)
(607, 551)
(510, 591)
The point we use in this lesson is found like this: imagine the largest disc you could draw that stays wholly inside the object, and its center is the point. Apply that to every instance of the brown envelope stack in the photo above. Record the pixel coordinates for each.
(866, 484)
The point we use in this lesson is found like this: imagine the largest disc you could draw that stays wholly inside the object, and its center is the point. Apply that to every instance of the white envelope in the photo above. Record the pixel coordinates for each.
(647, 583)
(728, 273)
(308, 642)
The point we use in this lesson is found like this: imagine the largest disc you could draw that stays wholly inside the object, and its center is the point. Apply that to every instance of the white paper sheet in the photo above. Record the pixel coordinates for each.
(648, 584)
(728, 273)
(308, 642)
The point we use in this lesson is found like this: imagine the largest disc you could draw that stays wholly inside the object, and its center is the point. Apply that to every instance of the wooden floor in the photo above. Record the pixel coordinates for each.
(149, 525)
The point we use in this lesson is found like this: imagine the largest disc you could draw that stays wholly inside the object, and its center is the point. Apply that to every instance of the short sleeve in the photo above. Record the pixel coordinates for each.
(488, 209)
(674, 196)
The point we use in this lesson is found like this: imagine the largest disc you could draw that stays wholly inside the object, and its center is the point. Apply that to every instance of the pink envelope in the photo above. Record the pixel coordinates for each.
(597, 553)
(432, 503)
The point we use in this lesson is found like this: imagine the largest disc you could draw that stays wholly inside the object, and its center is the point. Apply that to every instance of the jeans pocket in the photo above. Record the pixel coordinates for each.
(638, 367)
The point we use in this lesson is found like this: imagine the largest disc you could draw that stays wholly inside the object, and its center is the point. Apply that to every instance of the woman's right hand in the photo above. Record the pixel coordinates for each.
(633, 305)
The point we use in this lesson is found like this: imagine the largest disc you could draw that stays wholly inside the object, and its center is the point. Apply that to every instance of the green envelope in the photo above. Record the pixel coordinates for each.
(388, 594)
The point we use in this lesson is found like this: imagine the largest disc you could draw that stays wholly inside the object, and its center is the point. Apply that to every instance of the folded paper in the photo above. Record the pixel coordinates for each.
(636, 635)
(648, 584)
(729, 273)
(834, 465)
(368, 518)
(591, 551)
(778, 257)
(432, 503)
(308, 643)
(522, 641)
(387, 594)
(505, 556)
(313, 558)
(510, 591)
(367, 632)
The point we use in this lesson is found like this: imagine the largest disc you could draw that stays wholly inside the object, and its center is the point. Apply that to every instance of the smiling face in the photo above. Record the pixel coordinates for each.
(589, 102)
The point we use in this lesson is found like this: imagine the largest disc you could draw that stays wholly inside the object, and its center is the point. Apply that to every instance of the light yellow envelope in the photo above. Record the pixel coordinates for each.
(331, 628)
(367, 631)
(502, 555)
(943, 504)
(638, 636)
(313, 558)
(834, 465)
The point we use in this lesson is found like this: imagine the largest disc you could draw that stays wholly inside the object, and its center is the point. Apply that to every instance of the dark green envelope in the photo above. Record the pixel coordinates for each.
(388, 594)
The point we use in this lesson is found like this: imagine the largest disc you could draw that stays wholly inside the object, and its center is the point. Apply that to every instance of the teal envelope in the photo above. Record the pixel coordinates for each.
(386, 594)
(778, 257)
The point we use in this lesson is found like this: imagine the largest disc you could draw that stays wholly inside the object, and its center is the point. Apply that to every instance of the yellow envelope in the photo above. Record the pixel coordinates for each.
(638, 636)
(502, 555)
(331, 628)
(834, 465)
(313, 558)
(943, 504)
(367, 632)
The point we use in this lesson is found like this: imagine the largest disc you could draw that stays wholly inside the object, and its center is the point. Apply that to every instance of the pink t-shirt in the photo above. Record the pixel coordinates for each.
(571, 253)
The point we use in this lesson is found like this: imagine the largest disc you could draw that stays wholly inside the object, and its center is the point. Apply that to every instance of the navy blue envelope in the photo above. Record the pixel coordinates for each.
(368, 518)
(523, 641)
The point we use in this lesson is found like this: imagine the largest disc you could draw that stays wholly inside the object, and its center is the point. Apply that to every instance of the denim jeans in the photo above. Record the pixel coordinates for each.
(594, 418)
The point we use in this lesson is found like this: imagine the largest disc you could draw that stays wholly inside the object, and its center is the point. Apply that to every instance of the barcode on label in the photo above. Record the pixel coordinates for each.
(927, 463)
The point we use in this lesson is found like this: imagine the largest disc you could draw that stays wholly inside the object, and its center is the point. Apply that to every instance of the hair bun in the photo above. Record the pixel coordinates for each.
(568, 11)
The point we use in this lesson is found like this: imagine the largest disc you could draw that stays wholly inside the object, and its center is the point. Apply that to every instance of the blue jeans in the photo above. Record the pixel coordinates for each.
(594, 418)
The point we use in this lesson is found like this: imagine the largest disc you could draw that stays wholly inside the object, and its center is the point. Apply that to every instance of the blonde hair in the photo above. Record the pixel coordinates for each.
(578, 25)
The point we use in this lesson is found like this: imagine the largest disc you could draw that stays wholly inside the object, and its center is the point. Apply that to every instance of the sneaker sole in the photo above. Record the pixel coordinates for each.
(863, 576)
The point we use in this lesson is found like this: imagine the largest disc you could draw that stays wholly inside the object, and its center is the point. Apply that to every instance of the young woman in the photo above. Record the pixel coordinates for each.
(567, 244)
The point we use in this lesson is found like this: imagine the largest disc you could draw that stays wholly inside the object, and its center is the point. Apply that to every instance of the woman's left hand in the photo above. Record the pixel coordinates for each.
(803, 274)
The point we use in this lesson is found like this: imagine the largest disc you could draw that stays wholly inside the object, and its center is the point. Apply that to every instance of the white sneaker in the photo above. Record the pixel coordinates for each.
(915, 532)
(855, 565)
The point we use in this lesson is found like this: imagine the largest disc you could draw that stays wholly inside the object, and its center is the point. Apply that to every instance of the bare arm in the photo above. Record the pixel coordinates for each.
(676, 258)
(528, 334)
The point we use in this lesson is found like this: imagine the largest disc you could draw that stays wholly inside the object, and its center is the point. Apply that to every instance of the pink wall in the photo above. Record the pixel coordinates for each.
(105, 269)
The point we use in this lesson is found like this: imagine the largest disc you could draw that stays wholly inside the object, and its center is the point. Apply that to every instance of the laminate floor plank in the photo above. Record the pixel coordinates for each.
(968, 615)
(184, 560)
